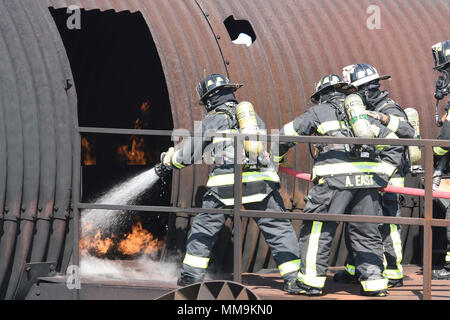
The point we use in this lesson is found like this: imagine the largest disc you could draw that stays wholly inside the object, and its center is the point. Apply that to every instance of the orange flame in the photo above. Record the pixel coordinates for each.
(87, 152)
(134, 152)
(139, 241)
(95, 244)
(145, 107)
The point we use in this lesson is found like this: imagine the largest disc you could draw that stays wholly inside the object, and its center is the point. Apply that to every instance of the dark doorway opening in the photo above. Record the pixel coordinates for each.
(120, 83)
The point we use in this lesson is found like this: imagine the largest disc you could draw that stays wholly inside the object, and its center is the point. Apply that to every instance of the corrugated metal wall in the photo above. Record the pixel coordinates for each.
(36, 150)
(296, 43)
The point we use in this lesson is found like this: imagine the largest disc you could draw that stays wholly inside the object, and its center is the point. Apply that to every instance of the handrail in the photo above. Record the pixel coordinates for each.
(427, 221)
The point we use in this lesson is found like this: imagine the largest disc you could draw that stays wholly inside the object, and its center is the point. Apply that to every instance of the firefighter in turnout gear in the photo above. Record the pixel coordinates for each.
(380, 107)
(260, 190)
(346, 178)
(441, 55)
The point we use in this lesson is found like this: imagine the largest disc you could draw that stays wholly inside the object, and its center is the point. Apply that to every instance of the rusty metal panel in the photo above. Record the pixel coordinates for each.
(296, 43)
(299, 41)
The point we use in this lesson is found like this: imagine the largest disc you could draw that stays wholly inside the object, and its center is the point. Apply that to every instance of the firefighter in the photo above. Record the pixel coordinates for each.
(382, 108)
(260, 189)
(346, 178)
(441, 55)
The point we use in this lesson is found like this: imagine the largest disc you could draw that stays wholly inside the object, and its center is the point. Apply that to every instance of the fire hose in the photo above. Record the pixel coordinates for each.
(390, 189)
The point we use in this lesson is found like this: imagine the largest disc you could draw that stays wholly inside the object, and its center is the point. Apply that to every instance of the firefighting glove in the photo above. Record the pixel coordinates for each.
(166, 157)
(382, 117)
(279, 161)
(264, 159)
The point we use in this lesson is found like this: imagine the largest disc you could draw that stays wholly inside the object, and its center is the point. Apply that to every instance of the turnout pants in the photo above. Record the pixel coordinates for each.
(390, 234)
(364, 238)
(278, 233)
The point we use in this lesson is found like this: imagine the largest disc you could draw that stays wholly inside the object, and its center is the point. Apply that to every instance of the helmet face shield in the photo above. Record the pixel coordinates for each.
(441, 54)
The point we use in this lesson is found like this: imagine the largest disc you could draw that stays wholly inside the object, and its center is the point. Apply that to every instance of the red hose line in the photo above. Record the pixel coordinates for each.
(391, 189)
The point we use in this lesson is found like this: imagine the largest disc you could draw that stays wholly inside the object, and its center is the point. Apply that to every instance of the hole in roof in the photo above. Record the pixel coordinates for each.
(240, 31)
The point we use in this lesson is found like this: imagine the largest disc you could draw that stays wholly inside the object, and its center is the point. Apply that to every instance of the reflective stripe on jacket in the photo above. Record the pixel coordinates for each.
(257, 182)
(335, 164)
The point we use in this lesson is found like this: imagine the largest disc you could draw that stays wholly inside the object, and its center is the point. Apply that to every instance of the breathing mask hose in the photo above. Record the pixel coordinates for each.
(437, 118)
(442, 88)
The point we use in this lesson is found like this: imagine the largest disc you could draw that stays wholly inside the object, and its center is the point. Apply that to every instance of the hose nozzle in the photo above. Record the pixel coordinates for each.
(162, 171)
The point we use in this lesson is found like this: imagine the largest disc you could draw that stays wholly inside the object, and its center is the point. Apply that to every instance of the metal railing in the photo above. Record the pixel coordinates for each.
(427, 222)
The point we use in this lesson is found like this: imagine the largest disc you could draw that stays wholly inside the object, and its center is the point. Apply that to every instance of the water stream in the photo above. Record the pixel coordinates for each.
(125, 193)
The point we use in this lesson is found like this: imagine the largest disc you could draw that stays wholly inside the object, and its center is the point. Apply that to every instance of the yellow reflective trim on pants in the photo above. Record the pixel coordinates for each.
(312, 281)
(353, 167)
(195, 261)
(332, 125)
(375, 285)
(228, 179)
(397, 243)
(350, 269)
(397, 181)
(393, 274)
(310, 277)
(289, 130)
(175, 162)
(439, 151)
(393, 123)
(447, 257)
(290, 266)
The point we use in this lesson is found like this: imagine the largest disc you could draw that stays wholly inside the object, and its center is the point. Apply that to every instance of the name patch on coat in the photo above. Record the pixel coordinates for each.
(359, 180)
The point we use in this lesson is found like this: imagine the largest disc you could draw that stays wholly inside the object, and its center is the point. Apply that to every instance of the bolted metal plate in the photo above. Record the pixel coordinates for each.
(29, 275)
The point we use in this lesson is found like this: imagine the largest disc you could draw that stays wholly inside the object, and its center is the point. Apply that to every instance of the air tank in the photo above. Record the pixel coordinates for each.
(248, 124)
(357, 116)
(415, 154)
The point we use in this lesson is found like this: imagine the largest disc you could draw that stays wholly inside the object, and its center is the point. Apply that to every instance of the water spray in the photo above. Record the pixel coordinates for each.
(127, 193)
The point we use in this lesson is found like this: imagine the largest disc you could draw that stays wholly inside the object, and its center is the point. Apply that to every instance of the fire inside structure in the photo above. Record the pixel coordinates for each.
(120, 84)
